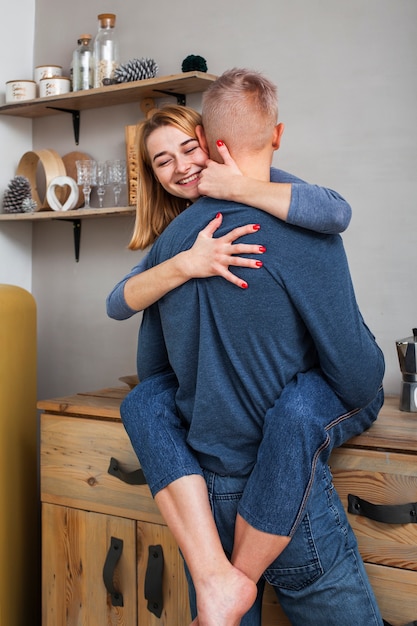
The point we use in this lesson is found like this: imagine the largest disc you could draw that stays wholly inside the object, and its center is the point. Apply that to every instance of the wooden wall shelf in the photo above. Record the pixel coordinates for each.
(67, 215)
(75, 216)
(176, 85)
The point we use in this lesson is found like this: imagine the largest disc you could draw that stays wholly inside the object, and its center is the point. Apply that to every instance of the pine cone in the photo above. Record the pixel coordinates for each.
(19, 189)
(136, 69)
(29, 205)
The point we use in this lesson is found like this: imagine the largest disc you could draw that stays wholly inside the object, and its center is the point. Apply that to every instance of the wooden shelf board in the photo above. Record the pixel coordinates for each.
(67, 215)
(123, 93)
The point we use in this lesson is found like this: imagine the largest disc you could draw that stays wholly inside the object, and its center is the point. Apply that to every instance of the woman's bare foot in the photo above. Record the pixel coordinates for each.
(222, 600)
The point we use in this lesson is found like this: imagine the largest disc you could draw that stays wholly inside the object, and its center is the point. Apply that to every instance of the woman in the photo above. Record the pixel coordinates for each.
(172, 174)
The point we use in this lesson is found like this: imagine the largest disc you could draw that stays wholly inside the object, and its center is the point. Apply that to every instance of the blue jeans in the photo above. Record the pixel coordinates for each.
(319, 578)
(300, 431)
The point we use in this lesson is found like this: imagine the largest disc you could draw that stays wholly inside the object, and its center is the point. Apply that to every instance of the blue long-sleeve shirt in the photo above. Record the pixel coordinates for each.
(234, 350)
(312, 207)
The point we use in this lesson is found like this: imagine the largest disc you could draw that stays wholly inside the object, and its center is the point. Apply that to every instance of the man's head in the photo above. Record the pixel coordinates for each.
(241, 109)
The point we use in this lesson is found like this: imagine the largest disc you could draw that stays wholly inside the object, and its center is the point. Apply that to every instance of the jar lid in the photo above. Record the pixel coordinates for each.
(21, 80)
(49, 78)
(85, 37)
(108, 19)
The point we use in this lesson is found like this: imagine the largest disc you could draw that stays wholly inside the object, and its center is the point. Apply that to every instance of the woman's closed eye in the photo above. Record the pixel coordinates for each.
(163, 161)
(190, 145)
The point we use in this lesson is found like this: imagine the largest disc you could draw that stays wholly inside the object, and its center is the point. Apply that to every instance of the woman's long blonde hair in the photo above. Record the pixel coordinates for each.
(156, 208)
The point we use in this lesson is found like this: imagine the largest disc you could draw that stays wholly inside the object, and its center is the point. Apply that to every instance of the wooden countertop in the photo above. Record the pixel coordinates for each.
(393, 430)
(103, 403)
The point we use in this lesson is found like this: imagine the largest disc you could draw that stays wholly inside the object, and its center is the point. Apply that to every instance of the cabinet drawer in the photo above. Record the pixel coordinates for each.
(75, 458)
(395, 591)
(380, 478)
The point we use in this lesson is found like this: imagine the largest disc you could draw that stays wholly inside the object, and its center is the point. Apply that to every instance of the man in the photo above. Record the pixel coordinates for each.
(236, 353)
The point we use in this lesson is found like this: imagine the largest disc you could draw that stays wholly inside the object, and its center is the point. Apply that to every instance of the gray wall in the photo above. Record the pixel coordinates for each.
(348, 86)
(15, 139)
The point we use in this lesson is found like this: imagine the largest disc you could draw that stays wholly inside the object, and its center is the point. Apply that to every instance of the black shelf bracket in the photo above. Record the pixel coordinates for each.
(76, 118)
(181, 100)
(76, 226)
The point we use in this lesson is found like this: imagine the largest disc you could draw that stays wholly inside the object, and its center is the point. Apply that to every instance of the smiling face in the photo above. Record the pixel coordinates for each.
(177, 161)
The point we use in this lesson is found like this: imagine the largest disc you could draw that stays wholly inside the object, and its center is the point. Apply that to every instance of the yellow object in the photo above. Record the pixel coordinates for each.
(19, 508)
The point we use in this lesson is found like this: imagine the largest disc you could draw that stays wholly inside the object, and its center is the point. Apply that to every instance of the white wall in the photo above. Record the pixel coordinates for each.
(348, 92)
(16, 52)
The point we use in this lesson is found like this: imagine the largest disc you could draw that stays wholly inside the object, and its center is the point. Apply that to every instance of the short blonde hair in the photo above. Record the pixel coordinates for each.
(155, 207)
(240, 106)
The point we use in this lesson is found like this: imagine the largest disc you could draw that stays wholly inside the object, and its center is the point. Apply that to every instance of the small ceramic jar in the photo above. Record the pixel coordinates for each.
(54, 86)
(46, 71)
(18, 90)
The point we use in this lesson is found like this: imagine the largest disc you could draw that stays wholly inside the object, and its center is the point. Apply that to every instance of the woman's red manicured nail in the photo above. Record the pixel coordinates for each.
(262, 249)
(218, 215)
(259, 263)
(220, 143)
(256, 226)
(244, 285)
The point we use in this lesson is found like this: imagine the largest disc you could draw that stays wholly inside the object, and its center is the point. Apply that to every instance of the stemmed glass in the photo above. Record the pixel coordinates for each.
(116, 177)
(87, 177)
(102, 181)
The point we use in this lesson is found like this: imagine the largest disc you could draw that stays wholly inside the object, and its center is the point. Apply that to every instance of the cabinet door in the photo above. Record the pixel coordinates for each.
(175, 609)
(272, 614)
(173, 586)
(75, 547)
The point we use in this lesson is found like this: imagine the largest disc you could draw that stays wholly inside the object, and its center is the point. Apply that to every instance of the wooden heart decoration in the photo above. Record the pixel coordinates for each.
(59, 184)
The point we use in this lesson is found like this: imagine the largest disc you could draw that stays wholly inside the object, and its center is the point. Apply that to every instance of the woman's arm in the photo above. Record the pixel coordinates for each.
(286, 197)
(208, 256)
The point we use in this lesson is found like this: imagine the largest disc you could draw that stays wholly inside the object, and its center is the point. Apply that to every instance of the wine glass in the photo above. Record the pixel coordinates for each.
(87, 177)
(102, 181)
(116, 177)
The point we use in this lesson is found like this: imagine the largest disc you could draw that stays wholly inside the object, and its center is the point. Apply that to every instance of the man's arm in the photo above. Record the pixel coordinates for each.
(323, 293)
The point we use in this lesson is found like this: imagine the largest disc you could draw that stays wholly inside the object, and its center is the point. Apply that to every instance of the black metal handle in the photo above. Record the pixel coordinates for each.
(386, 513)
(153, 580)
(137, 477)
(113, 556)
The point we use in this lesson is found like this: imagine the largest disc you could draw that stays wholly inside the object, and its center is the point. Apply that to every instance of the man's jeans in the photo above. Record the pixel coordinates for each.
(319, 578)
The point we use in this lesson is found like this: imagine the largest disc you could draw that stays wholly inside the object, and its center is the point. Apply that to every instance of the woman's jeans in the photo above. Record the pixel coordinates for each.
(300, 431)
(319, 578)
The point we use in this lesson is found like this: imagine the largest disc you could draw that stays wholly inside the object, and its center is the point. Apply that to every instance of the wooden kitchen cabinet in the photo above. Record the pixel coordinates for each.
(86, 457)
(89, 514)
(380, 468)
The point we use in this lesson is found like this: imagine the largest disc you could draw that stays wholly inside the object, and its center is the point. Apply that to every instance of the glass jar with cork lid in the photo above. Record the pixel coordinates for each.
(106, 50)
(83, 64)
